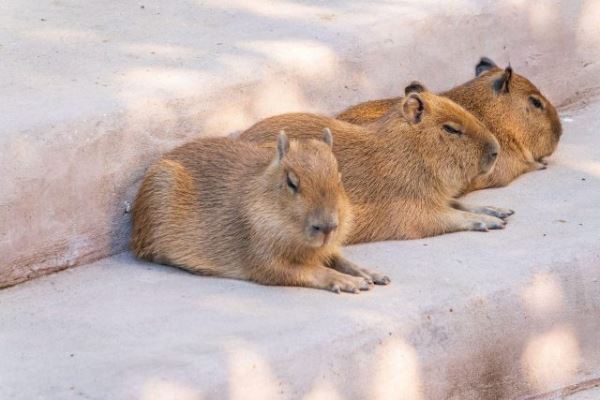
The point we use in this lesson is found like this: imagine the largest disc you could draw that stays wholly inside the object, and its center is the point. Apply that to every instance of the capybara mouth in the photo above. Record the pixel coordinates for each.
(326, 239)
(488, 168)
(319, 241)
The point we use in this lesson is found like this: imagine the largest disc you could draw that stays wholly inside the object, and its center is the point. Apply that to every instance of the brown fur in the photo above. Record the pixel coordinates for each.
(223, 207)
(402, 173)
(525, 133)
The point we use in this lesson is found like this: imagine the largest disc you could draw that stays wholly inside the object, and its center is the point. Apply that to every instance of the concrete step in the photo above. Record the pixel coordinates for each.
(93, 93)
(589, 394)
(586, 390)
(498, 315)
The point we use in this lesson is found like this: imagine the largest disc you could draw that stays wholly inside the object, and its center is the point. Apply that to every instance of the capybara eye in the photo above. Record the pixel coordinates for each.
(536, 102)
(452, 130)
(292, 185)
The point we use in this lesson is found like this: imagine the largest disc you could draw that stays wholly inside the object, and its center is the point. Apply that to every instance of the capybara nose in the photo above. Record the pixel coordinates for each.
(494, 154)
(326, 229)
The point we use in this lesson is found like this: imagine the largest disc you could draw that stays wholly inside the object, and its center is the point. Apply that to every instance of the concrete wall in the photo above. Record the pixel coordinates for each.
(93, 92)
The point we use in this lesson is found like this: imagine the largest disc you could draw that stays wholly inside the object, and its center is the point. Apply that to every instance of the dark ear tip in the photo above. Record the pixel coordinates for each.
(485, 64)
(487, 61)
(414, 87)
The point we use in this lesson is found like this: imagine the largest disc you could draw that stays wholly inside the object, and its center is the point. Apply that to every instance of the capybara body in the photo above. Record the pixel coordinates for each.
(402, 172)
(525, 123)
(231, 209)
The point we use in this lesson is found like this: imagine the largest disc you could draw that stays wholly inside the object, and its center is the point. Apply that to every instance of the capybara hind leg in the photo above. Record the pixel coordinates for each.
(346, 266)
(493, 211)
(200, 266)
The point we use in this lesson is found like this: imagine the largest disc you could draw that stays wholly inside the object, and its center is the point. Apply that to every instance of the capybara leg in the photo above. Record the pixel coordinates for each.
(319, 277)
(488, 210)
(326, 278)
(346, 266)
(457, 220)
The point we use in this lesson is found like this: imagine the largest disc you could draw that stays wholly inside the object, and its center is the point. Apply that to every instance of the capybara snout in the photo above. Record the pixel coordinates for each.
(321, 226)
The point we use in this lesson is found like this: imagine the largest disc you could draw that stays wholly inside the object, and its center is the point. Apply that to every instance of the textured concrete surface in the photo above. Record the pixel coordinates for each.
(586, 390)
(499, 315)
(93, 92)
(590, 394)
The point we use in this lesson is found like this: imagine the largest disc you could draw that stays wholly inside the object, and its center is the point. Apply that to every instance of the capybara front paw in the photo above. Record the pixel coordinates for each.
(487, 223)
(494, 223)
(498, 212)
(479, 227)
(376, 278)
(348, 284)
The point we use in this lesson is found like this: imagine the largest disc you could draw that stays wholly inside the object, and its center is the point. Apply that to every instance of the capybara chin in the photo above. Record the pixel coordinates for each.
(525, 123)
(231, 209)
(403, 172)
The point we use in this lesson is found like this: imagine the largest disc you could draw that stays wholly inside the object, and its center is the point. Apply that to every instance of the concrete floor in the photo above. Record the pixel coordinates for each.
(93, 92)
(591, 394)
(495, 315)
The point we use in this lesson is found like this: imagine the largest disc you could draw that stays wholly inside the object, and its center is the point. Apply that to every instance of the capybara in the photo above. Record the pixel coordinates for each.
(525, 123)
(403, 172)
(226, 208)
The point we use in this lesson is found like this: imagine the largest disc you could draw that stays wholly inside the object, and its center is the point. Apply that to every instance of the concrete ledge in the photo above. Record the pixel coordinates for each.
(93, 94)
(498, 315)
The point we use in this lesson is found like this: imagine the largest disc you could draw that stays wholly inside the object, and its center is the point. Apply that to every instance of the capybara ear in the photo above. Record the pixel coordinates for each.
(328, 137)
(283, 145)
(484, 65)
(502, 84)
(414, 87)
(413, 108)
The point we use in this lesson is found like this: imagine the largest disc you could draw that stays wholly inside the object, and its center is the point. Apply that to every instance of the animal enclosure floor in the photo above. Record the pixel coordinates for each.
(468, 315)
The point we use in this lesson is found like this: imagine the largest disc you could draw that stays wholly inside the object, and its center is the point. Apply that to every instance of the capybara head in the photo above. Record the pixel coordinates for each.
(506, 101)
(448, 135)
(309, 195)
